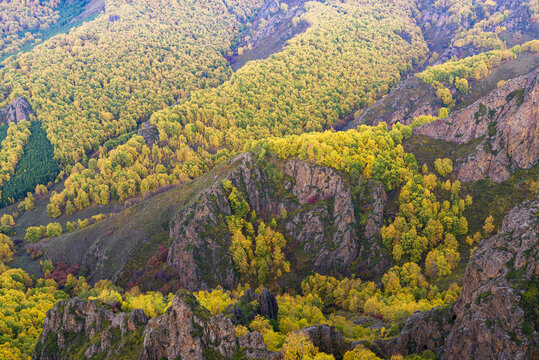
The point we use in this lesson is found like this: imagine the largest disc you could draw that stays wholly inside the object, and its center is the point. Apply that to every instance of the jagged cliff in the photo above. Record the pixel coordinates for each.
(87, 329)
(413, 98)
(495, 315)
(321, 221)
(507, 119)
(330, 223)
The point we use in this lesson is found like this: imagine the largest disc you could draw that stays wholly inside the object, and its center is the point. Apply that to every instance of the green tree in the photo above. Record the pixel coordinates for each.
(54, 229)
(488, 227)
(35, 233)
(444, 167)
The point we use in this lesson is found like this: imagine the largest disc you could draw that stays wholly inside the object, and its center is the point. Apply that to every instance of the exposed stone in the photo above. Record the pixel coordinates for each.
(149, 132)
(488, 319)
(372, 257)
(92, 8)
(439, 29)
(19, 110)
(488, 314)
(267, 303)
(254, 347)
(508, 119)
(269, 31)
(322, 220)
(185, 331)
(411, 98)
(335, 250)
(71, 324)
(328, 340)
(375, 218)
(314, 206)
(422, 331)
(363, 320)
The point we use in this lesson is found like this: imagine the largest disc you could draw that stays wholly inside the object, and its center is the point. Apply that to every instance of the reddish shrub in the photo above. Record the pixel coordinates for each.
(60, 272)
(153, 262)
(163, 253)
(33, 253)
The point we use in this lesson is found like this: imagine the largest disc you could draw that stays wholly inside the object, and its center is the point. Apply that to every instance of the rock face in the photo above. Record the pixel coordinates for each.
(311, 183)
(412, 98)
(185, 331)
(328, 340)
(439, 29)
(494, 316)
(252, 304)
(149, 132)
(491, 319)
(19, 110)
(269, 30)
(92, 8)
(422, 331)
(508, 119)
(322, 224)
(267, 302)
(69, 324)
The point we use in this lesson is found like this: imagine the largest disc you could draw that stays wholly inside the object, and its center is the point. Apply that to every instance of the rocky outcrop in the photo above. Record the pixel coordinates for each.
(19, 110)
(507, 118)
(328, 340)
(492, 319)
(200, 259)
(185, 331)
(69, 326)
(412, 98)
(439, 28)
(372, 257)
(311, 227)
(495, 315)
(149, 132)
(422, 331)
(320, 219)
(267, 302)
(252, 304)
(327, 223)
(269, 31)
(92, 8)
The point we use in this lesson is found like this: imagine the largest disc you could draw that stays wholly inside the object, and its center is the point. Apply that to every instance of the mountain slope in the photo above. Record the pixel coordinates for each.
(494, 316)
(323, 226)
(508, 121)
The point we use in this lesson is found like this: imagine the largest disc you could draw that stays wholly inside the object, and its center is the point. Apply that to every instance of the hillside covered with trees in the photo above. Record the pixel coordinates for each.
(176, 164)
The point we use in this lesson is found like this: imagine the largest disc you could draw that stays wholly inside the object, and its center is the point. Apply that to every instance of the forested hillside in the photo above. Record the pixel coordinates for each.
(100, 74)
(263, 179)
(294, 91)
(24, 24)
(36, 167)
(19, 18)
